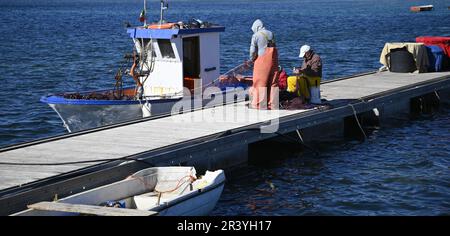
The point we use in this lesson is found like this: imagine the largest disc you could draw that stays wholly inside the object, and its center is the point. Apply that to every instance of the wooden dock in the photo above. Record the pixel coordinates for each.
(209, 138)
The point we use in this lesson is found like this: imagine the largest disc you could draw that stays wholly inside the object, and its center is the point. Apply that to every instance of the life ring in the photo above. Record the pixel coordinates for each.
(161, 26)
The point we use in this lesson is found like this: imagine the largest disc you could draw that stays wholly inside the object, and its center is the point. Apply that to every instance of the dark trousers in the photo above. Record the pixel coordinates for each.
(285, 95)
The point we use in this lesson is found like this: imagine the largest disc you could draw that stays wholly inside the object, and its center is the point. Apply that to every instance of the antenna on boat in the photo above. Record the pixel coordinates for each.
(164, 6)
(145, 10)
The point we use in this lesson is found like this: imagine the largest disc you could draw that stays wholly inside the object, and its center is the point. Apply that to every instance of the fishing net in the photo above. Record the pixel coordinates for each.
(237, 74)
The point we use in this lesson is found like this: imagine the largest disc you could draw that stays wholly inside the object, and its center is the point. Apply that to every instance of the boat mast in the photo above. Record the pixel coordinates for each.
(164, 6)
(145, 13)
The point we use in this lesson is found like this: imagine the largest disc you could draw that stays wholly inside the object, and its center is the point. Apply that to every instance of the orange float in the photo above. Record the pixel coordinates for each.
(161, 26)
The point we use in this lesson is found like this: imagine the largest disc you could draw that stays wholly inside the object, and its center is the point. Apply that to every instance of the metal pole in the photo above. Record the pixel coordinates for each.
(145, 12)
(162, 9)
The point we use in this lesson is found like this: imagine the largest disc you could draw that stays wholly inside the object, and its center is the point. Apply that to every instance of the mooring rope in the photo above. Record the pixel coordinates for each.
(357, 121)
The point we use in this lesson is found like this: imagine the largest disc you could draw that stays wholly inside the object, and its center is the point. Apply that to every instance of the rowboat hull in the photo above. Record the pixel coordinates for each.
(200, 205)
(151, 190)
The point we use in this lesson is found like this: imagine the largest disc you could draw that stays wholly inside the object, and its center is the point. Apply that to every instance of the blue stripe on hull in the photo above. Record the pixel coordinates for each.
(59, 99)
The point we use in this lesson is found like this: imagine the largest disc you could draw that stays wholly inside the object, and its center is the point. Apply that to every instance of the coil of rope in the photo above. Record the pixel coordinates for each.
(190, 179)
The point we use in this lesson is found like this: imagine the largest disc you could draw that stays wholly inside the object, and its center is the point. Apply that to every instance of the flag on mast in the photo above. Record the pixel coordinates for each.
(142, 16)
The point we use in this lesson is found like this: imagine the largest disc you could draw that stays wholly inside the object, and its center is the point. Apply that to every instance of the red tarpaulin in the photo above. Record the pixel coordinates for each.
(443, 42)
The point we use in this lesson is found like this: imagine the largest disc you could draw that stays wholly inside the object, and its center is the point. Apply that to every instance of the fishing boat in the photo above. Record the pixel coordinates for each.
(421, 8)
(173, 65)
(162, 191)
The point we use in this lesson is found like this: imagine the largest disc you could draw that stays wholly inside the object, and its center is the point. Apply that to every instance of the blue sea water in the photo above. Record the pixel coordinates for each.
(49, 46)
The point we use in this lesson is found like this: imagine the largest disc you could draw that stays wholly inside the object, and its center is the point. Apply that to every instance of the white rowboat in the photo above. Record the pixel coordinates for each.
(165, 191)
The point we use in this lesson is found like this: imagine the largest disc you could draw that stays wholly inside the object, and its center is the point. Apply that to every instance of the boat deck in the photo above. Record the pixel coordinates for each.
(173, 133)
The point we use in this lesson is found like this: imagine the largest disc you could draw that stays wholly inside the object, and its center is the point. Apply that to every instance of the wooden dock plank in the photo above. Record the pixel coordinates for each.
(63, 168)
(25, 172)
(89, 210)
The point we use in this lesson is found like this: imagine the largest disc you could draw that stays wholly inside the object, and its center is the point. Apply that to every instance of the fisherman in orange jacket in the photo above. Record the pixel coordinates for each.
(264, 91)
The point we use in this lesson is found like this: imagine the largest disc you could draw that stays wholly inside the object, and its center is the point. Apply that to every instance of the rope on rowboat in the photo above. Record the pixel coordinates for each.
(190, 179)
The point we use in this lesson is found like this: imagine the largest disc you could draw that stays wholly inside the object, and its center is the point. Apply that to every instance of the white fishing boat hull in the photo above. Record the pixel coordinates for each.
(82, 117)
(83, 114)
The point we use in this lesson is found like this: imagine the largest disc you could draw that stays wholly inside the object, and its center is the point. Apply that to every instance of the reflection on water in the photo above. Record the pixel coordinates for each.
(401, 169)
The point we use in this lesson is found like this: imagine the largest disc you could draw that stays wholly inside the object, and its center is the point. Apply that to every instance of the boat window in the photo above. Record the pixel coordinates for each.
(165, 46)
(191, 57)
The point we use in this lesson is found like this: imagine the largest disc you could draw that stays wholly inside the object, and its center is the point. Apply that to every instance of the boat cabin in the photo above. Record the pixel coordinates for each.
(177, 58)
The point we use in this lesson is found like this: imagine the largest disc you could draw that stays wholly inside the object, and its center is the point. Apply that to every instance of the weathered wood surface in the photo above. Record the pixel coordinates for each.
(135, 138)
(89, 210)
